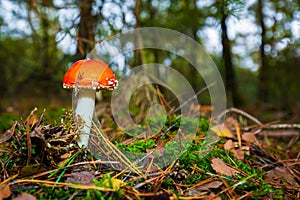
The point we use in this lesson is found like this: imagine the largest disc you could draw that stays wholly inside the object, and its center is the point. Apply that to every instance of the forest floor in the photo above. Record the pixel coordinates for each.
(244, 159)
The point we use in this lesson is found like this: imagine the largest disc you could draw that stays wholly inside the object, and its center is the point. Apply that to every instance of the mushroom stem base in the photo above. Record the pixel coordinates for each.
(84, 108)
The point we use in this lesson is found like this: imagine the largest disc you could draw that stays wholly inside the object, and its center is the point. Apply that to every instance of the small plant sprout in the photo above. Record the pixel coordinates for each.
(86, 77)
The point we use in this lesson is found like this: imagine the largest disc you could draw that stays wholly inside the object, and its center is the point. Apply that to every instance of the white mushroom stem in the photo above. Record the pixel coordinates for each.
(85, 109)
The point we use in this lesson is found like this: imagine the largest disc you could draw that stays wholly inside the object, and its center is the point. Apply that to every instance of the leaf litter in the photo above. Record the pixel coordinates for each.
(43, 161)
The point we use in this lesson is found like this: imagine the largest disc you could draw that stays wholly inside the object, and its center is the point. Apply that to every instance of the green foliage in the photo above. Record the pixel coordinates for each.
(196, 166)
(68, 162)
(107, 182)
(53, 193)
(55, 115)
(32, 62)
(7, 120)
(251, 180)
(17, 63)
(139, 146)
(232, 7)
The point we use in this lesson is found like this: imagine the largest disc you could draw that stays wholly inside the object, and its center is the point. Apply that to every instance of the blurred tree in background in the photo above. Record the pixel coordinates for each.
(31, 59)
(258, 60)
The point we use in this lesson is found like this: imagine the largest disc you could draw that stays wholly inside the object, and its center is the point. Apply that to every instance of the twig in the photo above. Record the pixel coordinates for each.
(274, 127)
(60, 184)
(243, 113)
(29, 146)
(74, 165)
(282, 126)
(117, 152)
(238, 133)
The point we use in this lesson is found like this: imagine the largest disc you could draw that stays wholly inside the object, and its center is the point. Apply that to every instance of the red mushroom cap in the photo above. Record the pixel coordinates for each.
(93, 74)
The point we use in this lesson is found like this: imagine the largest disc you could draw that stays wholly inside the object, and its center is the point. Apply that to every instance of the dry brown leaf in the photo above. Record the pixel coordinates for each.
(160, 147)
(24, 196)
(238, 154)
(83, 177)
(210, 185)
(222, 131)
(7, 134)
(66, 155)
(4, 191)
(32, 119)
(220, 167)
(282, 172)
(249, 137)
(228, 145)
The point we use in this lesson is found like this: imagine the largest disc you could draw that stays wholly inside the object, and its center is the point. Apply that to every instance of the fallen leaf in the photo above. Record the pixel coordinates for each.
(24, 196)
(160, 147)
(115, 183)
(32, 119)
(66, 155)
(228, 145)
(210, 185)
(246, 150)
(238, 154)
(8, 134)
(220, 167)
(282, 172)
(4, 191)
(249, 137)
(83, 177)
(222, 131)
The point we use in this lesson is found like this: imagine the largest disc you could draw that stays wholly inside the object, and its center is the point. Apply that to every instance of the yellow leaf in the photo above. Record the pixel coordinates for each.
(116, 183)
(222, 131)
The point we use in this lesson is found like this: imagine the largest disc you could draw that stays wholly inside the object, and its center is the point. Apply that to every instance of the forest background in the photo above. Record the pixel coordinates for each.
(255, 44)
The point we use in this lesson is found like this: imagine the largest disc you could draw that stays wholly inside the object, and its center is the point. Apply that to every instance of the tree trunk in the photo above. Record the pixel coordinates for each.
(230, 85)
(263, 72)
(86, 26)
(139, 59)
(144, 97)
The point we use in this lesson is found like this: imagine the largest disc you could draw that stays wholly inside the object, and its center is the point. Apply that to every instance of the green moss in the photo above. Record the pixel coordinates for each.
(138, 146)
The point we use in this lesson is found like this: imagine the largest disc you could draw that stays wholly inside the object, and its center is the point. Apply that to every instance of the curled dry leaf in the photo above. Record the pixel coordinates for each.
(7, 134)
(66, 156)
(238, 154)
(228, 145)
(220, 167)
(4, 191)
(249, 137)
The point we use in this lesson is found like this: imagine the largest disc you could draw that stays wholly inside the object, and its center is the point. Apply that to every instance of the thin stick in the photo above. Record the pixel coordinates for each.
(60, 184)
(241, 113)
(118, 153)
(238, 133)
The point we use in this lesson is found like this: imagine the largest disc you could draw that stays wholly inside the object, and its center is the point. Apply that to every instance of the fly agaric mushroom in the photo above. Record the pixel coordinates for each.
(86, 77)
